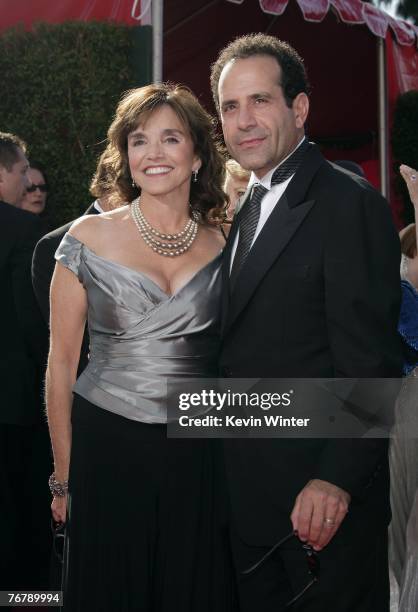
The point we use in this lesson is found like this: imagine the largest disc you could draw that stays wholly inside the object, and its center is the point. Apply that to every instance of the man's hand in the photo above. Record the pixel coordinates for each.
(318, 512)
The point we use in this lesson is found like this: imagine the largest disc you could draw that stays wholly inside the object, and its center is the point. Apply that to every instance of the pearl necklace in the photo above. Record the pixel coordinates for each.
(176, 244)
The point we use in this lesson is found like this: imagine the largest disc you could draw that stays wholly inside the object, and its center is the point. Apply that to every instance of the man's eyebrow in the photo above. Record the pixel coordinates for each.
(261, 94)
(227, 102)
(254, 96)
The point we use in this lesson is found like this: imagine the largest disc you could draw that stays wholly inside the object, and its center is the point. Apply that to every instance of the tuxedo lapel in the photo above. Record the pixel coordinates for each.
(92, 210)
(288, 214)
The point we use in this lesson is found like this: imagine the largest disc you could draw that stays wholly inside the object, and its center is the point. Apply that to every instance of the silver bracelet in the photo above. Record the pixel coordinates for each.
(58, 489)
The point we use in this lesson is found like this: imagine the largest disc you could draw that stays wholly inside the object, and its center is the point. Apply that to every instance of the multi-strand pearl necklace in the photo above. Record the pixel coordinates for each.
(174, 244)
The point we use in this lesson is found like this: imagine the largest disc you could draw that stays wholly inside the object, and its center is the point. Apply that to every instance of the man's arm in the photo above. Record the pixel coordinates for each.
(27, 310)
(362, 295)
(43, 264)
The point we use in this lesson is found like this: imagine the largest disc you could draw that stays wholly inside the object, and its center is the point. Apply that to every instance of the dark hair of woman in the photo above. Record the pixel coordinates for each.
(40, 168)
(207, 197)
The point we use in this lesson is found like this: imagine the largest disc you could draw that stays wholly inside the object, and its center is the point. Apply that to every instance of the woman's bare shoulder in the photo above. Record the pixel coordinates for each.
(90, 229)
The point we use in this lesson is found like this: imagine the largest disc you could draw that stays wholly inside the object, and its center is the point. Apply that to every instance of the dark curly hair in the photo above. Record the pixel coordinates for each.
(293, 80)
(136, 105)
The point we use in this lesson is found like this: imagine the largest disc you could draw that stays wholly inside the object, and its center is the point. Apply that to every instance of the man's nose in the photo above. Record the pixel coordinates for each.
(246, 118)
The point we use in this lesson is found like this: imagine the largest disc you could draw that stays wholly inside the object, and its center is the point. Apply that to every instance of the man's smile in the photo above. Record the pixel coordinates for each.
(250, 143)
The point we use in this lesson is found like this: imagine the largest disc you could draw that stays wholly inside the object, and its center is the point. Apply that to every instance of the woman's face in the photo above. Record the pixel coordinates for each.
(34, 199)
(235, 188)
(161, 154)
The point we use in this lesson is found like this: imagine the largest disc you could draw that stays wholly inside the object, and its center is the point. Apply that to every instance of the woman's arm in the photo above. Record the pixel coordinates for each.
(68, 316)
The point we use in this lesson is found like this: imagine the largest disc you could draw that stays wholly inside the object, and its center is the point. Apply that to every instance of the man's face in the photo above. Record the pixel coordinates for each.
(260, 130)
(14, 182)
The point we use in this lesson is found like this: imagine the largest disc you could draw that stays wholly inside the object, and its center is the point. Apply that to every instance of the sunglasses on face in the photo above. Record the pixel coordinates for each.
(43, 188)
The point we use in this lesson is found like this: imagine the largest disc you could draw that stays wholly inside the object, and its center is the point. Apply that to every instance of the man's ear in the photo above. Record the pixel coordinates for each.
(300, 109)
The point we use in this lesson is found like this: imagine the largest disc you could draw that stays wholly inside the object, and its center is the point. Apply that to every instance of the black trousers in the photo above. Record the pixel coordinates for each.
(25, 533)
(353, 576)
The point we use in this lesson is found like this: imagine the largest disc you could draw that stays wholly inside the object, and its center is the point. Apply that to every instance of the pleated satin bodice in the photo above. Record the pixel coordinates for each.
(140, 337)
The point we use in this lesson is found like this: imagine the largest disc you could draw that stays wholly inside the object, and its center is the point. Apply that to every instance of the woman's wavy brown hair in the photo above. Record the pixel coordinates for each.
(135, 107)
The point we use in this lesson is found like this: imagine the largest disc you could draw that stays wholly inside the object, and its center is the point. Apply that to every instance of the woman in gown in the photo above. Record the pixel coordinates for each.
(404, 444)
(145, 529)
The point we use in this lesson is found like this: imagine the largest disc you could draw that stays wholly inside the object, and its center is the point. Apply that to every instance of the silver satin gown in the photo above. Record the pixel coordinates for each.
(140, 337)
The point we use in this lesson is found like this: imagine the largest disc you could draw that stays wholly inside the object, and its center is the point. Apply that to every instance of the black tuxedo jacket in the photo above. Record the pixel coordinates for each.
(318, 296)
(24, 334)
(43, 265)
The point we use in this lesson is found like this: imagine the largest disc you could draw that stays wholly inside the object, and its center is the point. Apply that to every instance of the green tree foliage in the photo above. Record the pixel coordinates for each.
(408, 9)
(60, 86)
(405, 142)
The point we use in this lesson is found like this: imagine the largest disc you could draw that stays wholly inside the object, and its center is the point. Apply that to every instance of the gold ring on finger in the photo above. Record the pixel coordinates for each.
(329, 521)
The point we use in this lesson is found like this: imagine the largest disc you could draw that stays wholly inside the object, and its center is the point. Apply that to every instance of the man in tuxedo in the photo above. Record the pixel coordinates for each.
(24, 446)
(311, 290)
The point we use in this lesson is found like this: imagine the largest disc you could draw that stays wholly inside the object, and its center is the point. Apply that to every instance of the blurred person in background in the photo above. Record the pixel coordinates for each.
(235, 186)
(24, 446)
(14, 166)
(404, 444)
(36, 194)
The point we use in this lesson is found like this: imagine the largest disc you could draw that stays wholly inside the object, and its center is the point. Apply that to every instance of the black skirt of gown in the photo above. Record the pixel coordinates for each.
(146, 525)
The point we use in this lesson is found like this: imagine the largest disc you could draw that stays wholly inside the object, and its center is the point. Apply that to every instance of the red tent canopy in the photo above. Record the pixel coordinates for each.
(337, 38)
(28, 12)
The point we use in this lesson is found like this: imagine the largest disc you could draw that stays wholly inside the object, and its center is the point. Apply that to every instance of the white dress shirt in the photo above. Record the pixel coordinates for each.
(96, 205)
(268, 202)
